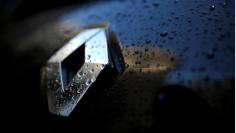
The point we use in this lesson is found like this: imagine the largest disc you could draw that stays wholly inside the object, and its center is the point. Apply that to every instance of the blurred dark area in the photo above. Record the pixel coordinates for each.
(24, 109)
(14, 11)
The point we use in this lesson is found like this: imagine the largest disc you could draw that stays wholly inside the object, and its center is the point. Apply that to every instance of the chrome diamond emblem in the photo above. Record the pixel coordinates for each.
(71, 71)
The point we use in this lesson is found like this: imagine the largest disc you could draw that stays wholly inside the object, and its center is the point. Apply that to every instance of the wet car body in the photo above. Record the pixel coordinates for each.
(188, 43)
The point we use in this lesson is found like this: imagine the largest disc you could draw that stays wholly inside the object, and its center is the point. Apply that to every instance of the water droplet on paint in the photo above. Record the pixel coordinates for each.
(163, 34)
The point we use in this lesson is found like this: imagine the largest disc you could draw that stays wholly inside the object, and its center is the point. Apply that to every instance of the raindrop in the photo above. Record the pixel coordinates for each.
(151, 17)
(176, 1)
(88, 82)
(148, 42)
(79, 91)
(163, 34)
(189, 21)
(93, 79)
(172, 59)
(102, 66)
(204, 13)
(212, 7)
(82, 87)
(170, 38)
(57, 81)
(221, 37)
(210, 55)
(156, 4)
(176, 17)
(92, 70)
(224, 4)
(205, 31)
(81, 73)
(89, 56)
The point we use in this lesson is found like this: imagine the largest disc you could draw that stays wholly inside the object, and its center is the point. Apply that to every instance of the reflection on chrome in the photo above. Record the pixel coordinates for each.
(74, 68)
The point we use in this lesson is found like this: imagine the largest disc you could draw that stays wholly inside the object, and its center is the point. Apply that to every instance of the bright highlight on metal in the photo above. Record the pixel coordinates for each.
(75, 67)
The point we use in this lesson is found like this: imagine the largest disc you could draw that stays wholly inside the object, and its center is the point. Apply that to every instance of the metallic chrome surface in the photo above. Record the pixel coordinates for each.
(62, 98)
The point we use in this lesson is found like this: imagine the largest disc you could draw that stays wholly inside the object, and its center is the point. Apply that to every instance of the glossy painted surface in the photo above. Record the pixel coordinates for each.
(186, 42)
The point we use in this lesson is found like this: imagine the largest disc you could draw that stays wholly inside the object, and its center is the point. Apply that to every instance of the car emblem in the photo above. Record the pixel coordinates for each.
(74, 68)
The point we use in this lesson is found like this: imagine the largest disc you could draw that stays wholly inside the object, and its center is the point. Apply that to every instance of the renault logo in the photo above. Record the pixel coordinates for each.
(74, 68)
